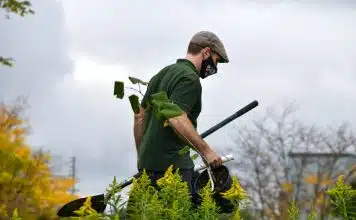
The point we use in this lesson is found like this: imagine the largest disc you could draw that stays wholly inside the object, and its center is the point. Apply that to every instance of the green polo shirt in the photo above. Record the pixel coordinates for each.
(160, 146)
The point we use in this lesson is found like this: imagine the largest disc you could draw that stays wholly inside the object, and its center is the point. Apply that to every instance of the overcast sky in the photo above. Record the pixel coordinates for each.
(69, 54)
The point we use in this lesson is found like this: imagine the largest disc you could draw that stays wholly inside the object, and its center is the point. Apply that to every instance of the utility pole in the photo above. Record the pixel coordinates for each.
(73, 173)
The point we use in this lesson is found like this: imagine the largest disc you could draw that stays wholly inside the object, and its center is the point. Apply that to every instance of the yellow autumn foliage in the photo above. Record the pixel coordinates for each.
(287, 187)
(311, 179)
(26, 182)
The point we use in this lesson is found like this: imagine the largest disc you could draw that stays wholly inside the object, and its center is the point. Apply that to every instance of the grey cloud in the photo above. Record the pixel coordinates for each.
(93, 126)
(272, 39)
(38, 45)
(129, 32)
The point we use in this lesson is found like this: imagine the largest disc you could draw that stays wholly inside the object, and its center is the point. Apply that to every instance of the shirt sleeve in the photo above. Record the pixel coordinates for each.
(186, 93)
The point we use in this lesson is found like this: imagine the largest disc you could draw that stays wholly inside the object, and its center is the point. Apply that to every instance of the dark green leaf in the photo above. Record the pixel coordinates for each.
(136, 80)
(135, 104)
(160, 96)
(163, 108)
(170, 110)
(169, 113)
(6, 61)
(157, 104)
(158, 99)
(119, 89)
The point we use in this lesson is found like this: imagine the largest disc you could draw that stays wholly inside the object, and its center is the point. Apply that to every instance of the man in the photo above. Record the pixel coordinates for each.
(157, 146)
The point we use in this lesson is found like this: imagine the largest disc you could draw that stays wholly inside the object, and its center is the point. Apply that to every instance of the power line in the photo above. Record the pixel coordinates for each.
(72, 173)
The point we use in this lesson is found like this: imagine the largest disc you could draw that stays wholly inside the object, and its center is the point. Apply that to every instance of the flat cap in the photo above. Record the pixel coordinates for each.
(211, 40)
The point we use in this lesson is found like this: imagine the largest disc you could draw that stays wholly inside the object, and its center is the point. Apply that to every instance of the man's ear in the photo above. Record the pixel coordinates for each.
(206, 52)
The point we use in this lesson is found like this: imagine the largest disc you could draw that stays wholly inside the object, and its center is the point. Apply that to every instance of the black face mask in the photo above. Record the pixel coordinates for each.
(208, 68)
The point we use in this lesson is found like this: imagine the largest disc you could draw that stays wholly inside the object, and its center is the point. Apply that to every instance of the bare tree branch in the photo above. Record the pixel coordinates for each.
(272, 170)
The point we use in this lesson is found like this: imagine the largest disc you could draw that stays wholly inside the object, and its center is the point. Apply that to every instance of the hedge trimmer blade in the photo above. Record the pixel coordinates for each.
(97, 203)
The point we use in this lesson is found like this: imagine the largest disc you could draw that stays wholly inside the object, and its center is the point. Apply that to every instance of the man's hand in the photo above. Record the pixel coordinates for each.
(213, 159)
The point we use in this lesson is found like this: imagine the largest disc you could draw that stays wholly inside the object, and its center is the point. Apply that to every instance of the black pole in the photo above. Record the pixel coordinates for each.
(242, 111)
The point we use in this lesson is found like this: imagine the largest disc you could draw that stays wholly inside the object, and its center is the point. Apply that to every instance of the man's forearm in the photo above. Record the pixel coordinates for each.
(184, 127)
(138, 129)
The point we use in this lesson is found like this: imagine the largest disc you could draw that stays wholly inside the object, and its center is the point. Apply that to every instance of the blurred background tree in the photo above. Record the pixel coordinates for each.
(26, 180)
(285, 159)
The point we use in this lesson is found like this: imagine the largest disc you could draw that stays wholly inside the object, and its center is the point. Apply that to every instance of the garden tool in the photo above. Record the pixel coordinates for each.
(99, 202)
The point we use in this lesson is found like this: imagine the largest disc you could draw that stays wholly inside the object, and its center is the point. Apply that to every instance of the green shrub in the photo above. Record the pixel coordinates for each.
(342, 199)
(168, 200)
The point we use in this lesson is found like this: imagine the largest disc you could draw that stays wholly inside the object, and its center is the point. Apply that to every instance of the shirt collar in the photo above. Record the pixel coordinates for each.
(188, 63)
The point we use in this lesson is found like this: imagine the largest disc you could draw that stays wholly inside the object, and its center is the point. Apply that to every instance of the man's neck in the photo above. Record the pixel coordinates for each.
(196, 62)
